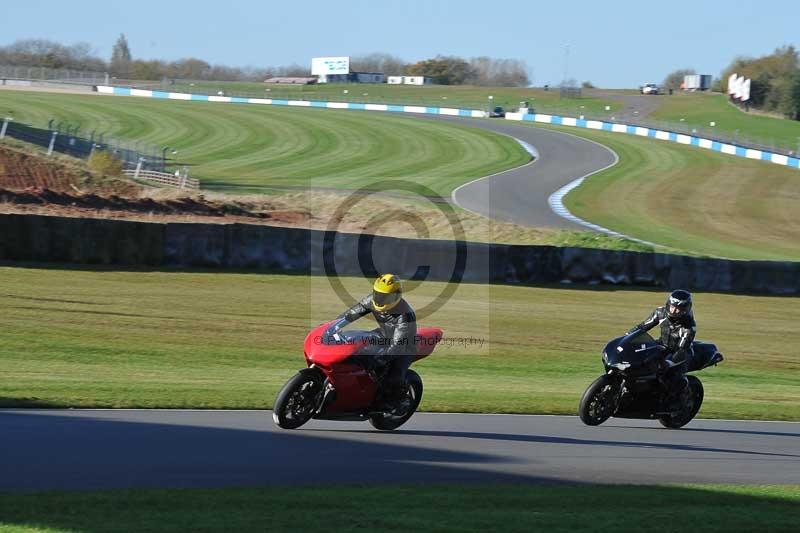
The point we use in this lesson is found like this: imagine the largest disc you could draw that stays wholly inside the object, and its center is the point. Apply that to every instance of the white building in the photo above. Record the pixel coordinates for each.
(410, 80)
(418, 80)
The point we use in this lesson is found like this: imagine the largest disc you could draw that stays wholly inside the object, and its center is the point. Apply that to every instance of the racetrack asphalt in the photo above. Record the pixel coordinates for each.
(99, 449)
(520, 195)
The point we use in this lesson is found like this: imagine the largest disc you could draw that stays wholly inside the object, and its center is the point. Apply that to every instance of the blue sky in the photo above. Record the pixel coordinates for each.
(611, 43)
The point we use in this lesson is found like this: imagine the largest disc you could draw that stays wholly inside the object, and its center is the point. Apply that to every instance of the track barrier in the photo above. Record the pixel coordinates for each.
(34, 238)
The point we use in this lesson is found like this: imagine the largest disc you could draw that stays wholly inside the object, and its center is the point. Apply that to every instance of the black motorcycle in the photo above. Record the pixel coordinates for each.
(633, 387)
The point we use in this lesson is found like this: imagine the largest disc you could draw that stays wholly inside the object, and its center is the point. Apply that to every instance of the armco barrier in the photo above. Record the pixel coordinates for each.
(242, 246)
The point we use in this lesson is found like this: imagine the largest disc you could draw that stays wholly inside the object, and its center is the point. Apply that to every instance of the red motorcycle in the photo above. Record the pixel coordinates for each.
(343, 379)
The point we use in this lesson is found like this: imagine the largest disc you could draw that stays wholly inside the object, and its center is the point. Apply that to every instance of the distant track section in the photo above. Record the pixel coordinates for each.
(521, 195)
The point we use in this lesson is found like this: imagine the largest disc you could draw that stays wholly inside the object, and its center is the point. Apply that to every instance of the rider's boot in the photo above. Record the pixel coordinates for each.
(680, 393)
(396, 400)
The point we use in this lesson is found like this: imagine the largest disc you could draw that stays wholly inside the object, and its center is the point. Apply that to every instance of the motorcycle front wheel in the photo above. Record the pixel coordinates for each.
(597, 404)
(387, 422)
(298, 399)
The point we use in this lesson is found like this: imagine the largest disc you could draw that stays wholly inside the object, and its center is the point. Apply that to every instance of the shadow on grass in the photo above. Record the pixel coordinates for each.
(480, 507)
(594, 287)
(50, 300)
(7, 402)
(79, 267)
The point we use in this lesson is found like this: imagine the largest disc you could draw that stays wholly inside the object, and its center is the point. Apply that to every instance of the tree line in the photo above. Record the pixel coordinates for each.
(122, 65)
(49, 54)
(774, 80)
(449, 70)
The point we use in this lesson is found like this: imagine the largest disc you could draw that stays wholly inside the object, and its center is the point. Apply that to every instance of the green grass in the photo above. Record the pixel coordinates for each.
(249, 148)
(692, 200)
(696, 109)
(460, 96)
(701, 109)
(226, 340)
(481, 507)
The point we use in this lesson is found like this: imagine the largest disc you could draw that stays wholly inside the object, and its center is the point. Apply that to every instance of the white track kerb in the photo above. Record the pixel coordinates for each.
(556, 199)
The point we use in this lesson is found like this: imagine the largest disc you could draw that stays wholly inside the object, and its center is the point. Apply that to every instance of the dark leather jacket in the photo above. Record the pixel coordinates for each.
(397, 325)
(677, 335)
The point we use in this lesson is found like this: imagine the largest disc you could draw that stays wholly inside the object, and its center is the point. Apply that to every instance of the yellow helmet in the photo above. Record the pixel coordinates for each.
(386, 292)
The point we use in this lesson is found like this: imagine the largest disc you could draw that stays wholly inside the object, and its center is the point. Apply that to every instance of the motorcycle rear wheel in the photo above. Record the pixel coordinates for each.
(386, 422)
(597, 404)
(298, 399)
(690, 410)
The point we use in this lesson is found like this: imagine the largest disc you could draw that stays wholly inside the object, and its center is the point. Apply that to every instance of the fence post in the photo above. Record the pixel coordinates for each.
(138, 168)
(5, 127)
(52, 143)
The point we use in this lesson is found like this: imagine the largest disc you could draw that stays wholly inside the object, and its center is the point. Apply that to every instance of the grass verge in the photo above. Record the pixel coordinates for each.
(369, 216)
(410, 508)
(94, 338)
(702, 109)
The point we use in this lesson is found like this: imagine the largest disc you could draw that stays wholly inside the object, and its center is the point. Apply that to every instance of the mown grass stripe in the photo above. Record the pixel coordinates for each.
(238, 145)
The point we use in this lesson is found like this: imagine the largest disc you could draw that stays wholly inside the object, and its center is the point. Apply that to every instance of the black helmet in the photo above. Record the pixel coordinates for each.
(679, 304)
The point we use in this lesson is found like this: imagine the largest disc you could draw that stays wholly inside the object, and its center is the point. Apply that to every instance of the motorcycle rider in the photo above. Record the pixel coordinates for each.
(678, 329)
(397, 325)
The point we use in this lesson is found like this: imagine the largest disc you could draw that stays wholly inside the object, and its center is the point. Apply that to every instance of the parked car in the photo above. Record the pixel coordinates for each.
(649, 88)
(497, 112)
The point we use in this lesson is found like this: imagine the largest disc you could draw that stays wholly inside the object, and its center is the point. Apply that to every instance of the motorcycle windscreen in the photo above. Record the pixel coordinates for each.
(634, 350)
(323, 348)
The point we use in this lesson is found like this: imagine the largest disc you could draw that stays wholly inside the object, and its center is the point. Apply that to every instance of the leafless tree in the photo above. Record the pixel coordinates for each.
(378, 62)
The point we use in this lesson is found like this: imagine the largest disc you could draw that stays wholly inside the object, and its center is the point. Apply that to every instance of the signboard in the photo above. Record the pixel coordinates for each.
(323, 66)
(732, 83)
(746, 90)
(737, 87)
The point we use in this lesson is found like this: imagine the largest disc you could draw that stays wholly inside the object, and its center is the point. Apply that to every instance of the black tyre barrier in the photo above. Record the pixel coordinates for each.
(34, 238)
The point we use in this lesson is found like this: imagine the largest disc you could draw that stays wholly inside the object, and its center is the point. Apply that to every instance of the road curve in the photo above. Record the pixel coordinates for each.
(98, 449)
(520, 195)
